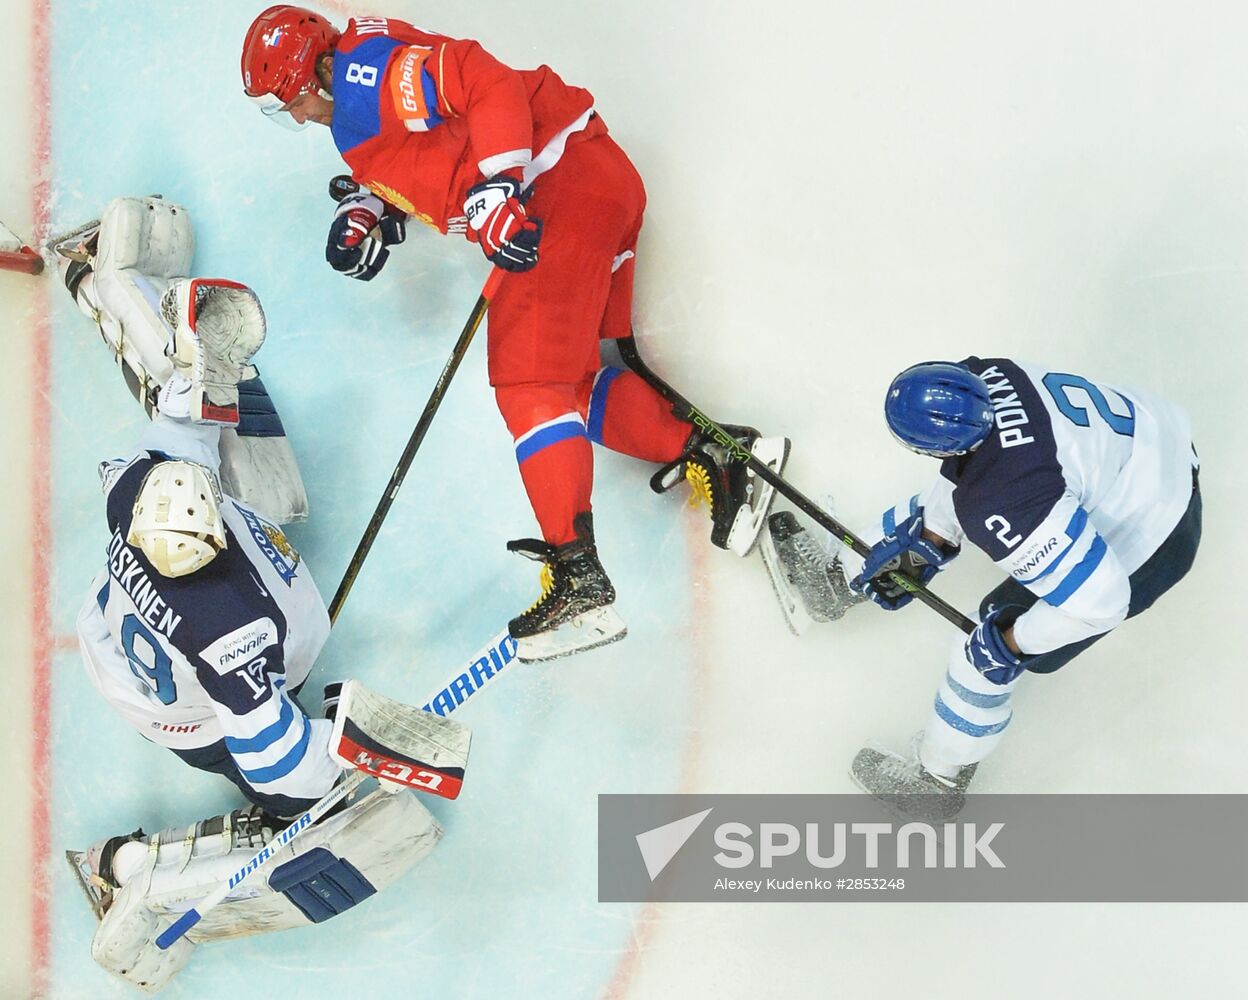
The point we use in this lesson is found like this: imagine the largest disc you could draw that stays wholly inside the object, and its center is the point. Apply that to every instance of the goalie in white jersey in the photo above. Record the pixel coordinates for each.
(1084, 493)
(205, 622)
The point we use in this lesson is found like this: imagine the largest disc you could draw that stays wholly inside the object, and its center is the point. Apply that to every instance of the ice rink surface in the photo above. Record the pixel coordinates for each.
(836, 191)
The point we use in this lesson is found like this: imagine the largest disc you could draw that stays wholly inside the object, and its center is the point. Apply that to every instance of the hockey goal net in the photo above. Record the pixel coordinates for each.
(15, 255)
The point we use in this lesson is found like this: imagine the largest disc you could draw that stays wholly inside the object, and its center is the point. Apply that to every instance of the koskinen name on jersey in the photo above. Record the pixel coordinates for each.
(124, 568)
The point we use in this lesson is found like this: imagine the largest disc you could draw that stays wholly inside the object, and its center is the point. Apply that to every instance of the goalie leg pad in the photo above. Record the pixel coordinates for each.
(258, 464)
(330, 868)
(125, 943)
(142, 244)
(148, 235)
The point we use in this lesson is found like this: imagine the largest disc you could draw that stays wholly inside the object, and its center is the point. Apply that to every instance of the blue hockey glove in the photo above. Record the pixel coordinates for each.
(987, 652)
(904, 551)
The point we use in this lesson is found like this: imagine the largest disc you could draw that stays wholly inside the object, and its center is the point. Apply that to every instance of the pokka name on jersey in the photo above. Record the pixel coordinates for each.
(272, 542)
(131, 577)
(1007, 410)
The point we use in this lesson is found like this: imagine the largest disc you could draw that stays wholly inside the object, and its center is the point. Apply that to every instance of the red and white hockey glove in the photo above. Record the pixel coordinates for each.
(497, 220)
(351, 247)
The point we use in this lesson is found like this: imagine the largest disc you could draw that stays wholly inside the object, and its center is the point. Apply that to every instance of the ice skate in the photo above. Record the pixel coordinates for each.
(907, 788)
(107, 865)
(811, 585)
(574, 612)
(736, 498)
(74, 253)
(93, 869)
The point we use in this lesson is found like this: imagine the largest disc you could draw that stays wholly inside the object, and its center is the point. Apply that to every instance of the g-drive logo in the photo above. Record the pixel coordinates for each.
(826, 845)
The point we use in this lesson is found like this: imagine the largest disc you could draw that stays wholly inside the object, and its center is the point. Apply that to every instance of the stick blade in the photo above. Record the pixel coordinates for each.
(399, 743)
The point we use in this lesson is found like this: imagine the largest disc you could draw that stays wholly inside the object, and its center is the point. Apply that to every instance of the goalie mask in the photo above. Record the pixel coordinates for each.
(177, 518)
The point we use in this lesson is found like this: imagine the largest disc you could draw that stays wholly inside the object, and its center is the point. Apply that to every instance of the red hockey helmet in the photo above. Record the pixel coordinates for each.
(280, 53)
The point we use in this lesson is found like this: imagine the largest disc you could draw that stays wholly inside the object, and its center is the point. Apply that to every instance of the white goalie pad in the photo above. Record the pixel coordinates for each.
(399, 743)
(327, 870)
(144, 246)
(258, 466)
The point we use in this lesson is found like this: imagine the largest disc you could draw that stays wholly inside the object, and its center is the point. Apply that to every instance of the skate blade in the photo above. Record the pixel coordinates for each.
(773, 452)
(794, 611)
(77, 861)
(58, 245)
(583, 633)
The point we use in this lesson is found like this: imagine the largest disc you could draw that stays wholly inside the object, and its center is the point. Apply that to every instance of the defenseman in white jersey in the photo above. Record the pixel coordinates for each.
(204, 623)
(1084, 493)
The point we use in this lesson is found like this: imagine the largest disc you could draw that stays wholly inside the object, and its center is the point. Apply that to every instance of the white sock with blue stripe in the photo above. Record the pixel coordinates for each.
(968, 719)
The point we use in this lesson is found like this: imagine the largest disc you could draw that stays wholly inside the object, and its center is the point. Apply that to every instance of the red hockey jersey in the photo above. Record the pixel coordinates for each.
(420, 117)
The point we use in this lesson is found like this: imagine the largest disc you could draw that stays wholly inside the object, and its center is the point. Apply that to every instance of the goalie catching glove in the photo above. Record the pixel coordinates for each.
(497, 220)
(352, 247)
(217, 326)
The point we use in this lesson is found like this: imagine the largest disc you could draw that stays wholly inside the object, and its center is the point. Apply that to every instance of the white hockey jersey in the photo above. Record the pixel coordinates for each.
(228, 641)
(1076, 486)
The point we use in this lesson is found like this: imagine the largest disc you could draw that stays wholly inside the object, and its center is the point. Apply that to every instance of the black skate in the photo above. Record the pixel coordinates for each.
(811, 585)
(907, 788)
(737, 499)
(574, 612)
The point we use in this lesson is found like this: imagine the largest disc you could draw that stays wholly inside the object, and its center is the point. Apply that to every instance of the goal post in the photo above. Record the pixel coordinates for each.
(15, 255)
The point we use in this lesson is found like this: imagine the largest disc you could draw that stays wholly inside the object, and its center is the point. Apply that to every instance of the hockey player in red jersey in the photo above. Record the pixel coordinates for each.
(519, 162)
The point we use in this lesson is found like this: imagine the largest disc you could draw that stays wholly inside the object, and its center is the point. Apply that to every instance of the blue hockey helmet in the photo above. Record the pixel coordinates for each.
(938, 408)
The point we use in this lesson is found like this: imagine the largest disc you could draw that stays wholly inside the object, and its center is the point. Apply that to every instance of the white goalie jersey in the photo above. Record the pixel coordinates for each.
(214, 655)
(1078, 483)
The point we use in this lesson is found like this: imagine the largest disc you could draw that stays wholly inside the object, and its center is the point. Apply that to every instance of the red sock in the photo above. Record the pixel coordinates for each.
(629, 416)
(554, 454)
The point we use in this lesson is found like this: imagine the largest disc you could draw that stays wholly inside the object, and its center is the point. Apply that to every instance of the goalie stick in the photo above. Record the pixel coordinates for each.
(628, 352)
(493, 653)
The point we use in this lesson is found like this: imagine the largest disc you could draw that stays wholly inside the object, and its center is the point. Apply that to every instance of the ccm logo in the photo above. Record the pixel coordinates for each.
(405, 774)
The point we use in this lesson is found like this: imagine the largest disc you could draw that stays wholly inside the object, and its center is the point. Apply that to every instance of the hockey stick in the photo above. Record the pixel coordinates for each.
(413, 443)
(628, 352)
